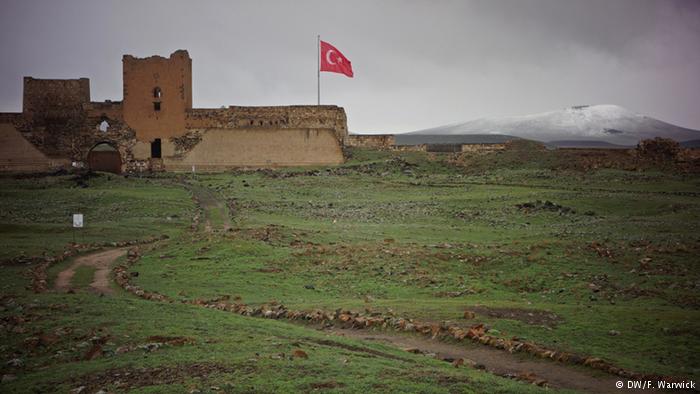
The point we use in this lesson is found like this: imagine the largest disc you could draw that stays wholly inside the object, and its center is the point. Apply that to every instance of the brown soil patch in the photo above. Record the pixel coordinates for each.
(101, 261)
(331, 384)
(529, 316)
(494, 361)
(132, 378)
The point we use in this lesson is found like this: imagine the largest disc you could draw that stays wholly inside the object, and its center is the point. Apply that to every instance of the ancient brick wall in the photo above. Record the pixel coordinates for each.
(410, 148)
(61, 140)
(61, 123)
(374, 141)
(157, 93)
(281, 117)
(482, 148)
(49, 102)
(111, 110)
(19, 155)
(220, 149)
(11, 117)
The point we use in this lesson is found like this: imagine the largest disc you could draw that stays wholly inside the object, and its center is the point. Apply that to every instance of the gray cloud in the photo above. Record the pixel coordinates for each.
(417, 63)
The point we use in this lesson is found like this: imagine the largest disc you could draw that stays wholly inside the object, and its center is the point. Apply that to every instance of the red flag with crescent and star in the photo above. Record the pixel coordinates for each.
(332, 60)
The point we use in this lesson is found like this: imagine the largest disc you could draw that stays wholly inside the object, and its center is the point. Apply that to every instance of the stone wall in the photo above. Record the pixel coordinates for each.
(388, 141)
(19, 155)
(51, 100)
(410, 148)
(375, 141)
(482, 148)
(110, 110)
(60, 124)
(220, 149)
(280, 117)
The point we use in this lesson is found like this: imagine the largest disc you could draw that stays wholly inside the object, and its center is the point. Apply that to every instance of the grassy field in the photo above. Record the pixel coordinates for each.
(36, 213)
(595, 261)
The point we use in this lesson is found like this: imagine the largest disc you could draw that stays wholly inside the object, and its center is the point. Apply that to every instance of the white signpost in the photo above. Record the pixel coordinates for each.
(78, 220)
(77, 223)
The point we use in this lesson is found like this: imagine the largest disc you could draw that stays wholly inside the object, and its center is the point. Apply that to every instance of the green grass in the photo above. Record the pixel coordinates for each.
(503, 256)
(83, 277)
(36, 215)
(424, 236)
(250, 347)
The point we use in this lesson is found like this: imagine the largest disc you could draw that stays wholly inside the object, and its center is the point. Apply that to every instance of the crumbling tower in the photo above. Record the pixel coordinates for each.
(157, 94)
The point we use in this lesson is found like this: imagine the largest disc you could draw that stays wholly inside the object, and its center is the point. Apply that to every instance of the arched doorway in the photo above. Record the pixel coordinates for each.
(104, 157)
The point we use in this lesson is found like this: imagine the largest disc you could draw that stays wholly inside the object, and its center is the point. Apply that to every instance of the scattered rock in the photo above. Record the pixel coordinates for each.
(298, 353)
(8, 378)
(94, 352)
(48, 339)
(544, 206)
(644, 263)
(15, 363)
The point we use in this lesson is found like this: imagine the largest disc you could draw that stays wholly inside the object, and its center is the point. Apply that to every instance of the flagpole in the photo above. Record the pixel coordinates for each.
(318, 67)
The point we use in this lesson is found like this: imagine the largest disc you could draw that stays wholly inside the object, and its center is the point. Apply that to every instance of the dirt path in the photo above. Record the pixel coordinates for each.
(101, 261)
(497, 361)
(558, 375)
(214, 209)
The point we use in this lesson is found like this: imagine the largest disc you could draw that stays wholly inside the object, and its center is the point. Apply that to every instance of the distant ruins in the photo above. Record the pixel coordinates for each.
(155, 127)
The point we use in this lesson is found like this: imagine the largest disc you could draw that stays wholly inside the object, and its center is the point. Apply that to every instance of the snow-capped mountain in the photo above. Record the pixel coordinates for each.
(604, 123)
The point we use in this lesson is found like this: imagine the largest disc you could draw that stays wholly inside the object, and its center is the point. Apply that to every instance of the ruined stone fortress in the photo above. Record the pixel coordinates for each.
(155, 127)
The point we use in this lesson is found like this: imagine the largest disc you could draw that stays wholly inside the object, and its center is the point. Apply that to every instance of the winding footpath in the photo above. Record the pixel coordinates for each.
(495, 359)
(102, 262)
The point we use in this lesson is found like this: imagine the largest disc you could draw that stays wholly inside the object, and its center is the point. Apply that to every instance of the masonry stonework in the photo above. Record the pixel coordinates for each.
(157, 94)
(372, 141)
(50, 99)
(156, 128)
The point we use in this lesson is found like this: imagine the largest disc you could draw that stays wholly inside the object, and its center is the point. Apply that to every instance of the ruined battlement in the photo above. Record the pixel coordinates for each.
(54, 98)
(157, 93)
(178, 54)
(155, 127)
(112, 110)
(10, 117)
(279, 117)
(373, 141)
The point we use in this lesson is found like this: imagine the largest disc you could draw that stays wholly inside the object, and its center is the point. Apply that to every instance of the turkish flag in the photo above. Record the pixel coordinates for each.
(334, 61)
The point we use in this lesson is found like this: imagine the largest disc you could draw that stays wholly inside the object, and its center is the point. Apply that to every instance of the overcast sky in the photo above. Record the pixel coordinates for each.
(417, 64)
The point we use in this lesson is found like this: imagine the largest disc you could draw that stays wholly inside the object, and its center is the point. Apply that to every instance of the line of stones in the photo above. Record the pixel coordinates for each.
(355, 320)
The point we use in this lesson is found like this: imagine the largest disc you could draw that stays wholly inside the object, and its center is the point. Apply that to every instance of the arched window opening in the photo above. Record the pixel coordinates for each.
(104, 126)
(156, 92)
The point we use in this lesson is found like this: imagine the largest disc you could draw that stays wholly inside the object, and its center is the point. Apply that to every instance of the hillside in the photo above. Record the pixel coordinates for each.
(611, 124)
